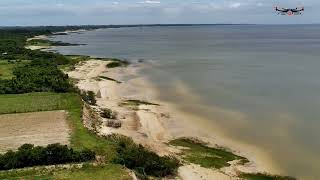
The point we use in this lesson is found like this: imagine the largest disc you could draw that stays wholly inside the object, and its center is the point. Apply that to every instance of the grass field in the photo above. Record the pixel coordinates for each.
(87, 172)
(34, 102)
(6, 68)
(81, 138)
(260, 176)
(38, 128)
(208, 157)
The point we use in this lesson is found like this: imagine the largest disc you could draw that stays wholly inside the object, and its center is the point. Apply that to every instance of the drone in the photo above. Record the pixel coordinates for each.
(289, 12)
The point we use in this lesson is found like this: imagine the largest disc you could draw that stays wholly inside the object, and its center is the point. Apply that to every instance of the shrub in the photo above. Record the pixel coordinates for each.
(89, 97)
(28, 155)
(143, 161)
(117, 63)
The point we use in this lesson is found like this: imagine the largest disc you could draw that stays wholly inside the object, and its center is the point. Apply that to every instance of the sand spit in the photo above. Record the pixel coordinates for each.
(153, 125)
(40, 37)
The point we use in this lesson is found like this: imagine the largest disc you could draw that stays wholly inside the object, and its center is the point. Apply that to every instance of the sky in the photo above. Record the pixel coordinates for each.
(104, 12)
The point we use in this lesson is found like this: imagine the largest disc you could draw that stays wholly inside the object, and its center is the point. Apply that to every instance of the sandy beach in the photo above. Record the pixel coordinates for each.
(153, 125)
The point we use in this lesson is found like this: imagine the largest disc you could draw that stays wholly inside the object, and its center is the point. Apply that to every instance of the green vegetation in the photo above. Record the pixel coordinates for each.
(120, 150)
(34, 102)
(143, 161)
(79, 57)
(110, 79)
(111, 149)
(260, 176)
(73, 60)
(38, 76)
(7, 67)
(198, 153)
(117, 63)
(43, 74)
(81, 138)
(98, 173)
(28, 155)
(102, 172)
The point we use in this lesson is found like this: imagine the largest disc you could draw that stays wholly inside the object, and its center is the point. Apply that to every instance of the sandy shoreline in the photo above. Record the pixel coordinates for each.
(153, 126)
(46, 37)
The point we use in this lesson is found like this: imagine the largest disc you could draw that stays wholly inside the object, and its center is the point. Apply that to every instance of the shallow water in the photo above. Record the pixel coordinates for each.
(260, 84)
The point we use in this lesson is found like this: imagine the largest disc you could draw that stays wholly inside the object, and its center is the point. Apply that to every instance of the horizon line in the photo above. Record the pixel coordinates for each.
(140, 25)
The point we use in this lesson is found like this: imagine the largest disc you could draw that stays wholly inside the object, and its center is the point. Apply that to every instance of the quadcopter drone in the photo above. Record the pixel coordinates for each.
(289, 12)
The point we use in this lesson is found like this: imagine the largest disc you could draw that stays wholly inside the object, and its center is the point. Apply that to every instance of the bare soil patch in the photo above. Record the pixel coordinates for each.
(38, 128)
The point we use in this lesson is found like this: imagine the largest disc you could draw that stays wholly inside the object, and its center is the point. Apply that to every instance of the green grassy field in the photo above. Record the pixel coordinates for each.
(260, 176)
(87, 172)
(34, 102)
(6, 68)
(208, 157)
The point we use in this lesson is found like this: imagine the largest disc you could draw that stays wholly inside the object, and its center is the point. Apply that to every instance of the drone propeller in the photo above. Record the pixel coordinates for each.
(301, 7)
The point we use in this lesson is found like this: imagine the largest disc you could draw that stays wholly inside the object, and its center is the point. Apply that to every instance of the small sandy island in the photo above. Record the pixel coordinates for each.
(151, 122)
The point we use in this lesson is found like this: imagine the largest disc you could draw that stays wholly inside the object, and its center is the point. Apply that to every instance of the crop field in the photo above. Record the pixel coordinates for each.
(38, 128)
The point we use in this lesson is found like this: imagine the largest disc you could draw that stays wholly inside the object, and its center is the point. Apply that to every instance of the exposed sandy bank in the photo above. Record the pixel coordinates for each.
(153, 126)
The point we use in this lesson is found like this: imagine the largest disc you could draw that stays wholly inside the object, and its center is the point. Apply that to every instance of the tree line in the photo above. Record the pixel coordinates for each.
(140, 159)
(29, 155)
(38, 76)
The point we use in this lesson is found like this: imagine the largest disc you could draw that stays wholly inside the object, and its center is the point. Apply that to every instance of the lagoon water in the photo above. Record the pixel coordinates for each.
(260, 84)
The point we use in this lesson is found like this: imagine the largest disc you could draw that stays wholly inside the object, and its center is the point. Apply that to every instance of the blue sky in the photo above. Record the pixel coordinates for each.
(72, 12)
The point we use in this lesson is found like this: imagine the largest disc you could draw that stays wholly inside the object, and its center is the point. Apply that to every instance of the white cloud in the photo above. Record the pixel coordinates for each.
(235, 5)
(150, 2)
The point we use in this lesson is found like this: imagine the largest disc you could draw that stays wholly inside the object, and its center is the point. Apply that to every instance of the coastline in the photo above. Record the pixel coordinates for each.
(154, 126)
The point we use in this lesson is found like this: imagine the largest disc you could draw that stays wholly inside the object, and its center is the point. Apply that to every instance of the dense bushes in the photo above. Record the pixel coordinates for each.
(42, 74)
(38, 76)
(89, 97)
(29, 155)
(143, 161)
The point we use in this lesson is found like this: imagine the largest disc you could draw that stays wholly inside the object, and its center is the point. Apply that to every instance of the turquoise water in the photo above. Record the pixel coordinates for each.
(260, 84)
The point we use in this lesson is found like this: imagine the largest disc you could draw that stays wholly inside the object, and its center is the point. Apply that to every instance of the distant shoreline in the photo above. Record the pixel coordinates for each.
(91, 27)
